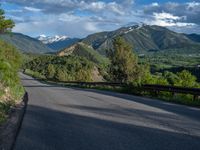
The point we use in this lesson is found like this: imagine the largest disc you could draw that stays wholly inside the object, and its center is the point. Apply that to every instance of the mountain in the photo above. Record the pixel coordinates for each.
(144, 39)
(25, 43)
(57, 42)
(81, 49)
(193, 37)
(51, 39)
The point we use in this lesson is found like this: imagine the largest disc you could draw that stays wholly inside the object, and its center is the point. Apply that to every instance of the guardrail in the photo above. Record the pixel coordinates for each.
(148, 87)
(173, 89)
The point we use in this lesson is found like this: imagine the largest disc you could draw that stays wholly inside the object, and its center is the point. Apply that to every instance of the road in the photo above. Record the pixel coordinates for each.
(59, 118)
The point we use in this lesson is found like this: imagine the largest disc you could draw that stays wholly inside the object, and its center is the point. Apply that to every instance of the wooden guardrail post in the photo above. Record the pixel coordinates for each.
(196, 97)
(154, 89)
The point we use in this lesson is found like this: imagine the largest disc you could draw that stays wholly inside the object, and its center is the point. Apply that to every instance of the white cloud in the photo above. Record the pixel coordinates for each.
(169, 20)
(155, 4)
(14, 11)
(64, 24)
(32, 9)
(91, 27)
(69, 18)
(115, 8)
(164, 16)
(94, 6)
(101, 6)
(82, 17)
(192, 5)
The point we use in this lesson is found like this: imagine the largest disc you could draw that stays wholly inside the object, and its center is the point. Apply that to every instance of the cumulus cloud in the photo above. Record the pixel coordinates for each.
(83, 17)
(191, 10)
(32, 9)
(178, 16)
(61, 6)
(168, 20)
(193, 5)
(66, 23)
(155, 4)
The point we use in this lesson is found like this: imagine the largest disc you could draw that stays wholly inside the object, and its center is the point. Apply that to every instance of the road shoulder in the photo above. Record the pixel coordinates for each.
(10, 129)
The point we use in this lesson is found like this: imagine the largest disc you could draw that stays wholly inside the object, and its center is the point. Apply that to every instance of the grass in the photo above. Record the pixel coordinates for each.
(4, 109)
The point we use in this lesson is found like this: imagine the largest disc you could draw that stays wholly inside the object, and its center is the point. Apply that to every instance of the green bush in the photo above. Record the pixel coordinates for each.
(11, 90)
(68, 68)
(10, 61)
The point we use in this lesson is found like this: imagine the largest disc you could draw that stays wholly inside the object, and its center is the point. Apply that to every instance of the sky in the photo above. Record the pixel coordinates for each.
(79, 18)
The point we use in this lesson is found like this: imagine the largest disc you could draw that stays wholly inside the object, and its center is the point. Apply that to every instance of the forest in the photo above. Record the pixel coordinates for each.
(124, 66)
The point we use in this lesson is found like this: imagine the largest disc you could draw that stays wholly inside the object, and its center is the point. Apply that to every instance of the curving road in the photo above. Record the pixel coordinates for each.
(59, 118)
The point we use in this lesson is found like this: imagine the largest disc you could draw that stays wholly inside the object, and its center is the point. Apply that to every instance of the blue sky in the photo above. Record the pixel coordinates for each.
(78, 18)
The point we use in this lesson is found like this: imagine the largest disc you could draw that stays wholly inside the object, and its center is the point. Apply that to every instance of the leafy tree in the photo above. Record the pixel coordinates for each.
(83, 75)
(61, 75)
(6, 25)
(50, 71)
(68, 68)
(172, 78)
(145, 76)
(123, 67)
(186, 79)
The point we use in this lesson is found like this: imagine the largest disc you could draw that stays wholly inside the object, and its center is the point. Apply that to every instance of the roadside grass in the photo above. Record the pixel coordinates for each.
(4, 109)
(183, 99)
(9, 99)
(11, 90)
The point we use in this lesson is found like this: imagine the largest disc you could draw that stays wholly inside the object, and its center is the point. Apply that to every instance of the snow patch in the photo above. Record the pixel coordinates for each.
(51, 39)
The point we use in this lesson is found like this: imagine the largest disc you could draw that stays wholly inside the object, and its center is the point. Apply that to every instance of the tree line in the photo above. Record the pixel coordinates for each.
(125, 68)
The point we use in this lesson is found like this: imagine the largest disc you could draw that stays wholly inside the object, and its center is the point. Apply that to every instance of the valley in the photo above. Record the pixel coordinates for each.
(99, 75)
(173, 52)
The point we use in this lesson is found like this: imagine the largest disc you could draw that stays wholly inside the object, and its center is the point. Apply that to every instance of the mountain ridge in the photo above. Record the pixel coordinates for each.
(25, 43)
(143, 38)
(57, 42)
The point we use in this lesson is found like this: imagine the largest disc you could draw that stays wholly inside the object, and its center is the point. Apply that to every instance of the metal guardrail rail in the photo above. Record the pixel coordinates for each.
(148, 87)
(173, 89)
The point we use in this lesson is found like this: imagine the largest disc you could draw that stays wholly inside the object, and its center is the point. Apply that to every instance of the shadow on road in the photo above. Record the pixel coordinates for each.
(170, 107)
(186, 111)
(44, 128)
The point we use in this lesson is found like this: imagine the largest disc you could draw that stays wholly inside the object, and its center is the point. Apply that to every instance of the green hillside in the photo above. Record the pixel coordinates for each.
(66, 68)
(25, 43)
(56, 46)
(83, 50)
(144, 39)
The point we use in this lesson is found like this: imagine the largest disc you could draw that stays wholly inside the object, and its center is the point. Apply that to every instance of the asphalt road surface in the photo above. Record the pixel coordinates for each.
(59, 118)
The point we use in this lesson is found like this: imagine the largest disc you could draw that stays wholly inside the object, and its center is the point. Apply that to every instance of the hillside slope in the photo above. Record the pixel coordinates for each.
(193, 37)
(81, 49)
(58, 45)
(144, 39)
(25, 43)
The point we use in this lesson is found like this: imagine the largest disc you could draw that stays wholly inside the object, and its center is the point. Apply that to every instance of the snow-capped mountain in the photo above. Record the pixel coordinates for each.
(57, 42)
(51, 39)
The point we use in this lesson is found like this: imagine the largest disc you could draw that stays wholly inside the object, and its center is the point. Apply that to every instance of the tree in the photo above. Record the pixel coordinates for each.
(84, 75)
(6, 25)
(172, 78)
(123, 67)
(50, 71)
(61, 75)
(186, 79)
